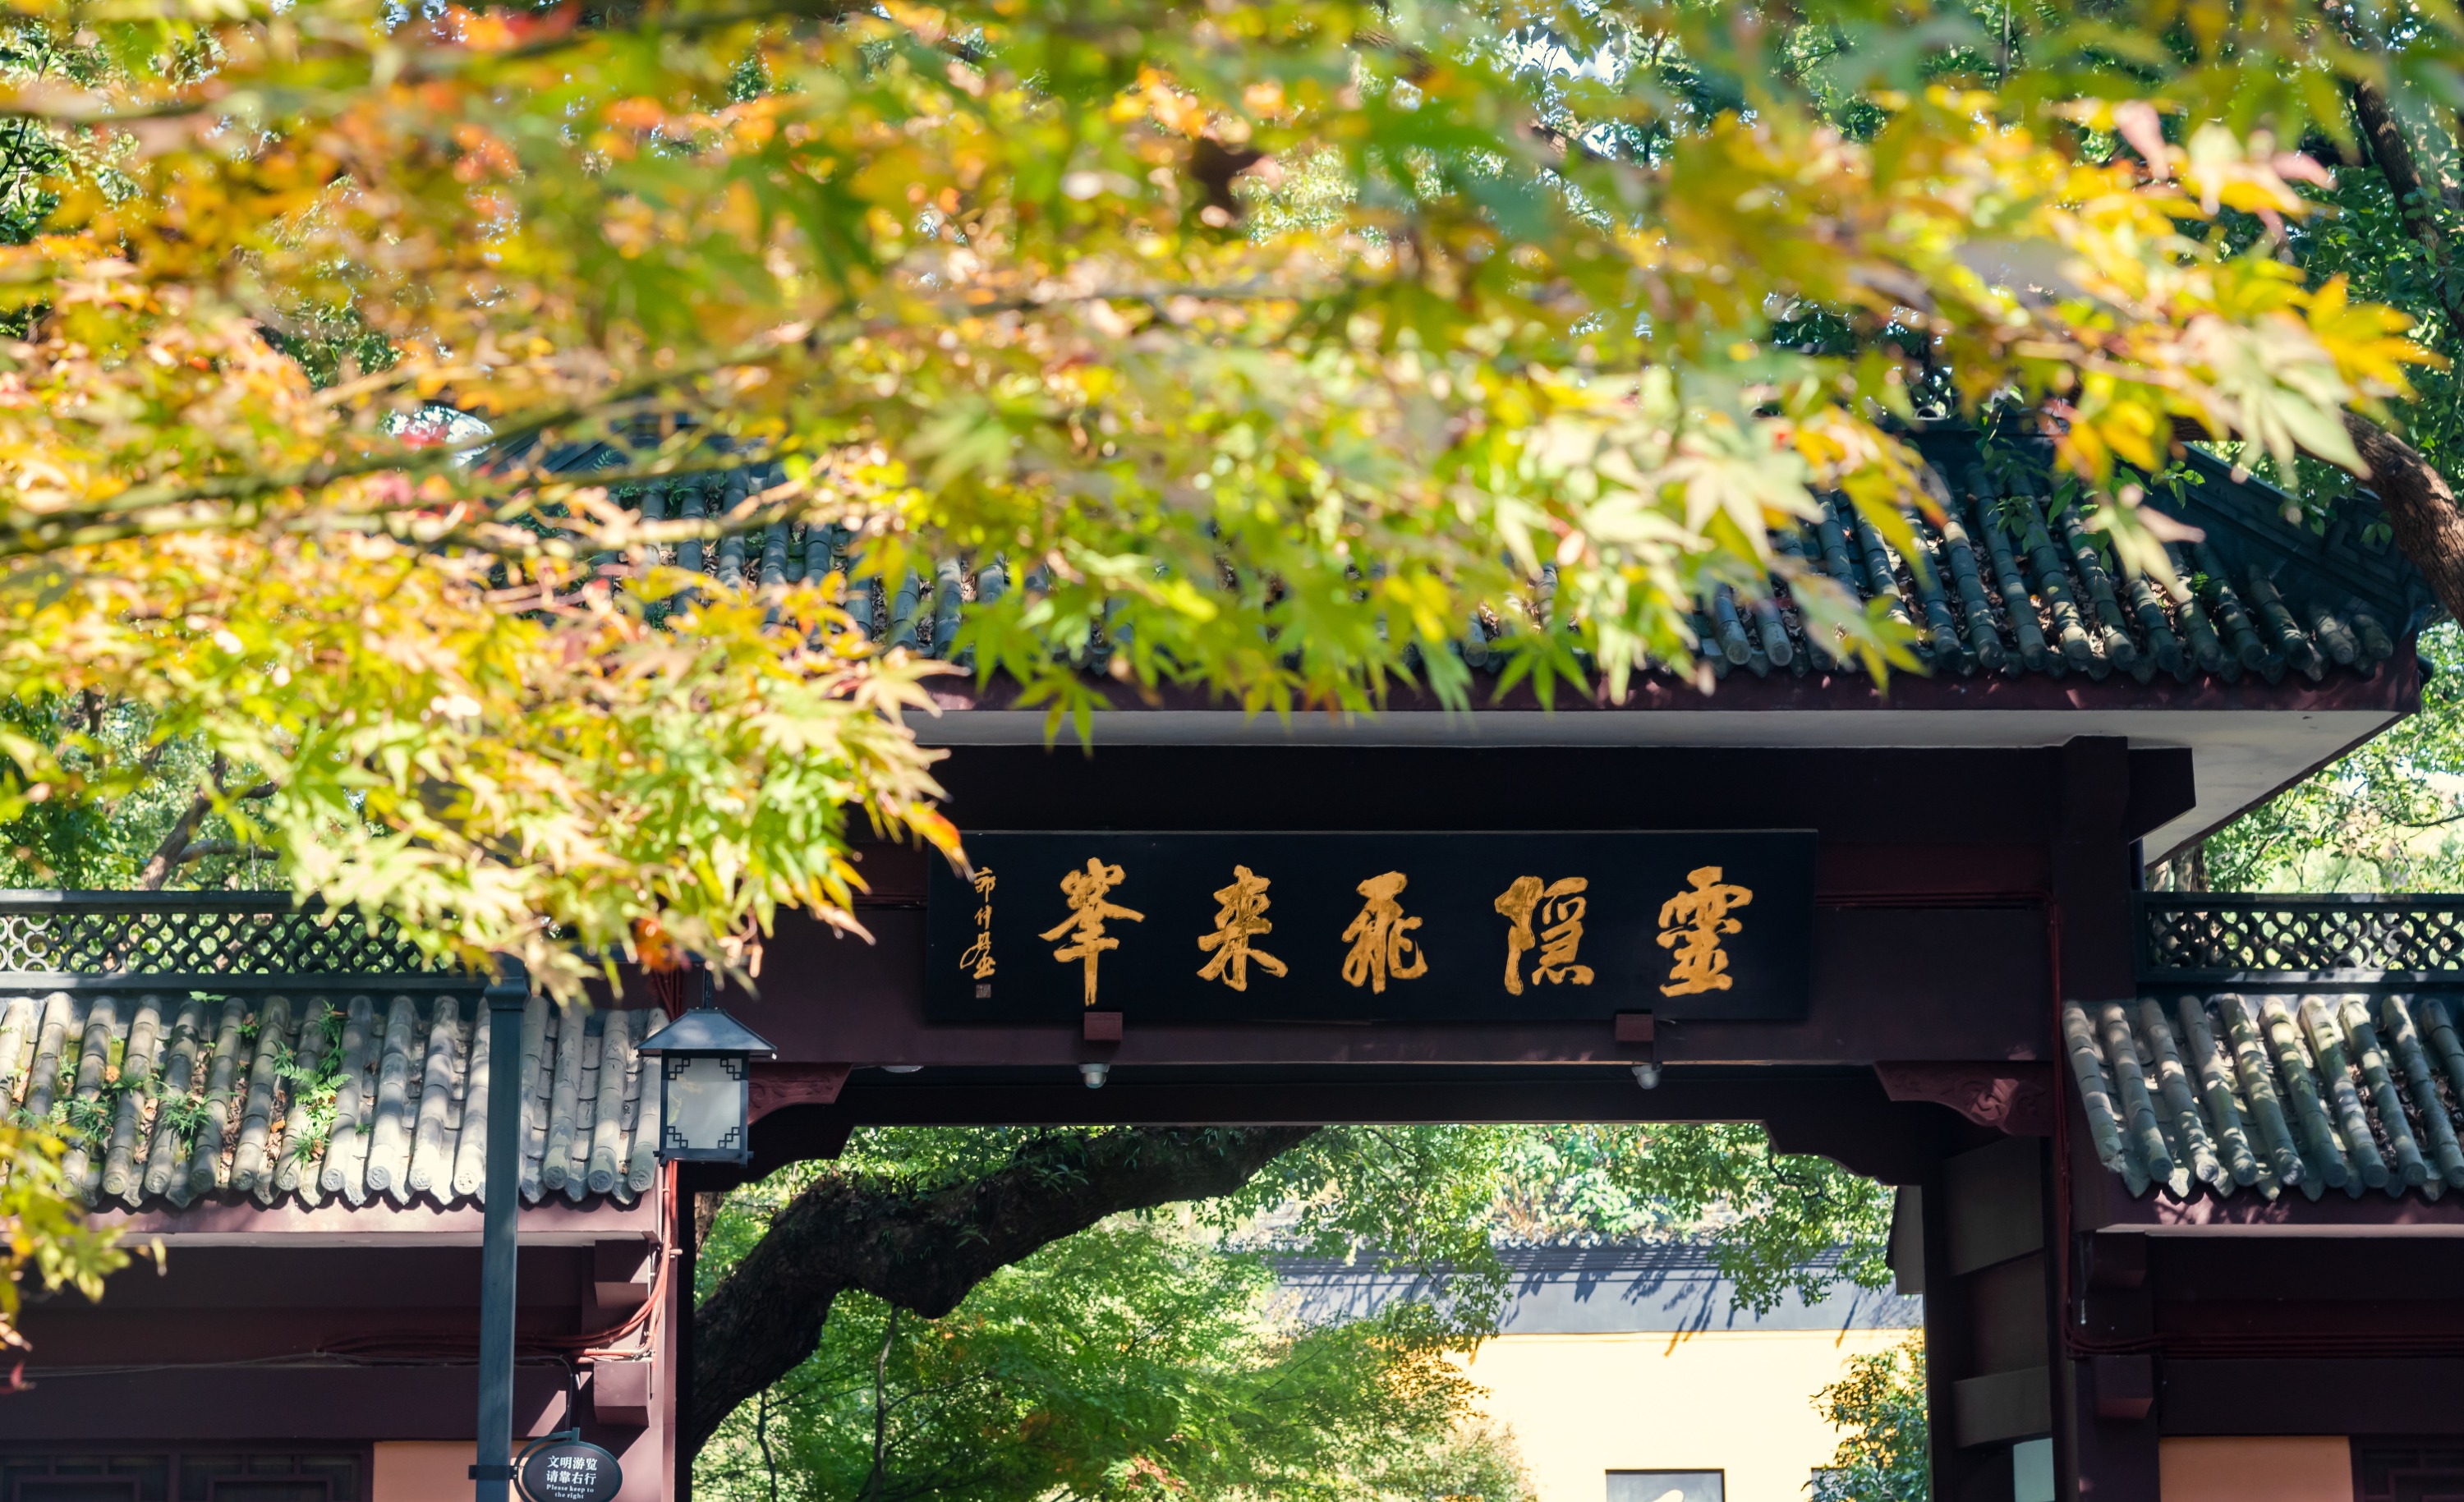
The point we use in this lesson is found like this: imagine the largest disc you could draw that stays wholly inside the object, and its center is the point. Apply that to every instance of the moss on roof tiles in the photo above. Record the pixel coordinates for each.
(2266, 1092)
(172, 1100)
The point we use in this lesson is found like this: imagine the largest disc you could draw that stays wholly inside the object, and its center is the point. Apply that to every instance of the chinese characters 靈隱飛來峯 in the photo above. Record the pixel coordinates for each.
(1089, 912)
(1691, 927)
(1559, 907)
(1241, 917)
(1381, 946)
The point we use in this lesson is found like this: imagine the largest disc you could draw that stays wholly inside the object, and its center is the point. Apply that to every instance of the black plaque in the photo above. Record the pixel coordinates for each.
(1372, 927)
(570, 1471)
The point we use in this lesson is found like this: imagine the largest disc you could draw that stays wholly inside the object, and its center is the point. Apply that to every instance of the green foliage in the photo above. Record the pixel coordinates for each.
(43, 1233)
(140, 786)
(314, 1088)
(2366, 239)
(1881, 1404)
(1134, 1360)
(85, 1121)
(2387, 817)
(183, 1116)
(31, 157)
(1438, 1198)
(1432, 1198)
(1147, 1354)
(1777, 1223)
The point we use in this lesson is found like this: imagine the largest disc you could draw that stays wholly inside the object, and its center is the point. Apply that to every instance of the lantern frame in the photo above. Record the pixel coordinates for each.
(706, 1033)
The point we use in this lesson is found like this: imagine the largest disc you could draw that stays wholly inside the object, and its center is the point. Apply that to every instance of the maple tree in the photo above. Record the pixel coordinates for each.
(43, 1229)
(1270, 346)
(1285, 350)
(799, 1274)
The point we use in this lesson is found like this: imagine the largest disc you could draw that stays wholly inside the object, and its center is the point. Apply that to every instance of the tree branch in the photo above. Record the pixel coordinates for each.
(2392, 151)
(165, 857)
(180, 846)
(923, 1251)
(213, 502)
(204, 848)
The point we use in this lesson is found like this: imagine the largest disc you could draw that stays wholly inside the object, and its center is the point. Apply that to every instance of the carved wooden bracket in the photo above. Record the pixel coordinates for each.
(2014, 1097)
(775, 1085)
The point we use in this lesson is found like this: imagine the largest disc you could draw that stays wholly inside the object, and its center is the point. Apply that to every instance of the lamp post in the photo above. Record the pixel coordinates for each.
(507, 995)
(705, 1109)
(705, 1089)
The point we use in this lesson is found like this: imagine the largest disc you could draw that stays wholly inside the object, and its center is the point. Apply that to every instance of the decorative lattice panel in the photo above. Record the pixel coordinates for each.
(2189, 936)
(226, 940)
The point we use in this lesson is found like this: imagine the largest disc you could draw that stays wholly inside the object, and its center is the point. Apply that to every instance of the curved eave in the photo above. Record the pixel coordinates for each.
(2247, 739)
(548, 1223)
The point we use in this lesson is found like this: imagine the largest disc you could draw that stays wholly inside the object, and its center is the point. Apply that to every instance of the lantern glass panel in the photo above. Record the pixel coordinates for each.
(703, 1111)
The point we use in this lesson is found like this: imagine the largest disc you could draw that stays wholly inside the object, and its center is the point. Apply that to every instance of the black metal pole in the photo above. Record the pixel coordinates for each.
(507, 996)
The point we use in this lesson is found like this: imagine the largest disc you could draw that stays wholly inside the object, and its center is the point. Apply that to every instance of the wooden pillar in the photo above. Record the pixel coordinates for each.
(2105, 1438)
(2093, 876)
(2111, 1415)
(2002, 1373)
(1989, 1349)
(683, 1252)
(1961, 1474)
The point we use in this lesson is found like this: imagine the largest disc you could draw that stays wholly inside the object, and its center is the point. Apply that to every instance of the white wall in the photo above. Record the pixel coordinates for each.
(1583, 1405)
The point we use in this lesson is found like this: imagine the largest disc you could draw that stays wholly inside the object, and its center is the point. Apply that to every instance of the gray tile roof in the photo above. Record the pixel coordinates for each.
(182, 1097)
(2273, 1092)
(1616, 1288)
(2011, 583)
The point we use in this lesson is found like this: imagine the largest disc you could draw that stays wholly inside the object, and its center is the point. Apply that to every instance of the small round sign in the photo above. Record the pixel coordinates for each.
(570, 1471)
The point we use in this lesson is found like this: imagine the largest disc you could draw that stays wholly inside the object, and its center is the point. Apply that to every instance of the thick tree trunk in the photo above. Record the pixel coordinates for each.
(923, 1251)
(2384, 135)
(2420, 504)
(2420, 507)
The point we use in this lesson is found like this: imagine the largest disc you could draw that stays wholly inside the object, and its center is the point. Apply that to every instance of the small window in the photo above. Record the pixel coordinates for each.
(1667, 1485)
(2396, 1471)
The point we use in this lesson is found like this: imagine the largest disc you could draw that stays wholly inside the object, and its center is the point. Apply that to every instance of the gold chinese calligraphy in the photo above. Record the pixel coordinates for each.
(1243, 917)
(1089, 911)
(1692, 925)
(1559, 908)
(1381, 943)
(977, 959)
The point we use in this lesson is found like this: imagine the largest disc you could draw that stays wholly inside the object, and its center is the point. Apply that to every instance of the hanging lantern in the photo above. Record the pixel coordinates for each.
(705, 1088)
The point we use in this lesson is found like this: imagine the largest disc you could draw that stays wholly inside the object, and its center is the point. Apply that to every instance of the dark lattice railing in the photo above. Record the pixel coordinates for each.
(236, 941)
(2290, 942)
(205, 941)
